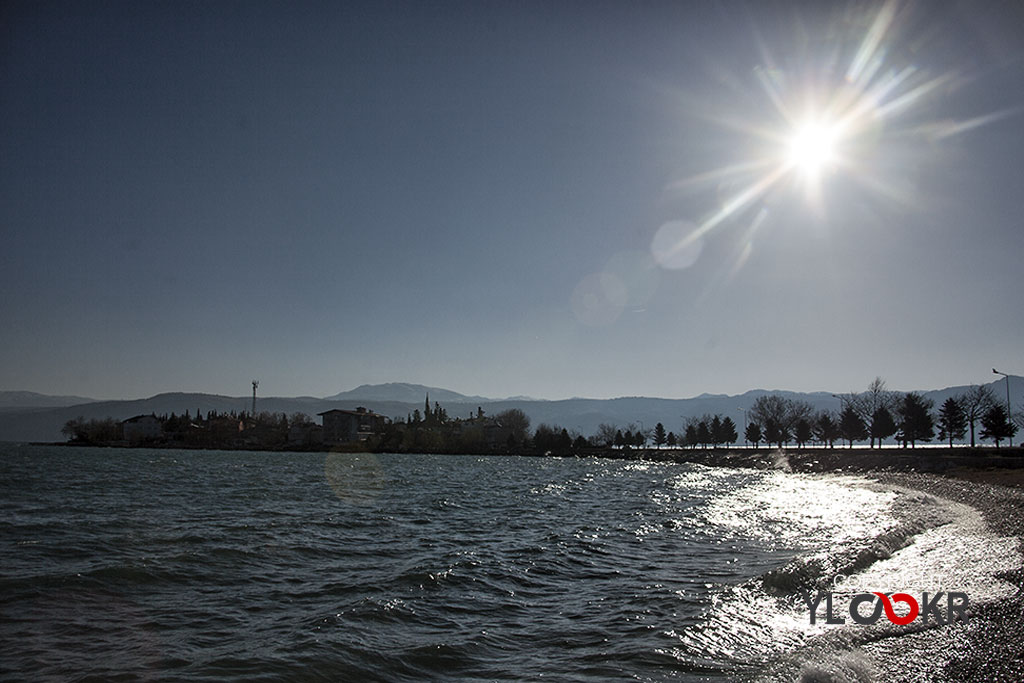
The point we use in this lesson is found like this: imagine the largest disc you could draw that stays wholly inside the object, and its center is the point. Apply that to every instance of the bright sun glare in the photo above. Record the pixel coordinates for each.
(839, 123)
(811, 148)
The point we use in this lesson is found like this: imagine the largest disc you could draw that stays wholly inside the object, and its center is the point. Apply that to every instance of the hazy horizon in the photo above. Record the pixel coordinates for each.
(543, 199)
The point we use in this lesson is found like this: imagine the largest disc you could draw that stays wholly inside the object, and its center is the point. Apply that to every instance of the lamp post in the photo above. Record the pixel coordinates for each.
(1009, 413)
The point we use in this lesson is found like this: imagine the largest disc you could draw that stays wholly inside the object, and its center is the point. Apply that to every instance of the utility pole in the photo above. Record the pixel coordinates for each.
(255, 383)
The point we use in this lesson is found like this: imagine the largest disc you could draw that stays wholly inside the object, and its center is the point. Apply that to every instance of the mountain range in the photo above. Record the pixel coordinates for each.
(27, 416)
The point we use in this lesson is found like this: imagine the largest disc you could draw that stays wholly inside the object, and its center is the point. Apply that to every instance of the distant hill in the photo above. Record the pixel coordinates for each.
(30, 399)
(406, 393)
(43, 423)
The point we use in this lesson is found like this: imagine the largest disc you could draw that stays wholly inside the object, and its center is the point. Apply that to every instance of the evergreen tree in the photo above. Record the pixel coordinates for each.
(802, 432)
(715, 431)
(691, 436)
(620, 439)
(851, 426)
(729, 435)
(703, 434)
(952, 421)
(753, 434)
(564, 441)
(882, 425)
(996, 426)
(659, 435)
(916, 423)
(671, 439)
(825, 429)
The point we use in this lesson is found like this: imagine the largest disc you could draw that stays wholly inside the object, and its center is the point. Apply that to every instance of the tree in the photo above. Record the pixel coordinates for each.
(882, 425)
(563, 443)
(916, 423)
(620, 440)
(728, 435)
(659, 435)
(778, 416)
(995, 424)
(825, 428)
(952, 421)
(703, 434)
(715, 430)
(74, 429)
(671, 439)
(605, 435)
(300, 419)
(690, 438)
(851, 426)
(515, 422)
(802, 432)
(869, 402)
(641, 435)
(976, 401)
(753, 433)
(547, 438)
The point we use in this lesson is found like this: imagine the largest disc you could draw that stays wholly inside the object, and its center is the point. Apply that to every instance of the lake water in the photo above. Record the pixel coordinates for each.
(204, 565)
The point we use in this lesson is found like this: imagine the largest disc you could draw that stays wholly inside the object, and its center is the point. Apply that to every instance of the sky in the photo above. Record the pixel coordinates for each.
(550, 199)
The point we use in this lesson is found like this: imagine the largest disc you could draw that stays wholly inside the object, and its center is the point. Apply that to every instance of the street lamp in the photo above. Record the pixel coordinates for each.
(1009, 413)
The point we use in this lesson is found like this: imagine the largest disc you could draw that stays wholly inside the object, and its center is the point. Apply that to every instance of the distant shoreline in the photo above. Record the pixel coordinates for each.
(963, 462)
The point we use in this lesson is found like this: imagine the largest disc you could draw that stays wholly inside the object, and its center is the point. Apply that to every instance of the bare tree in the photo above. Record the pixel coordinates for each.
(876, 402)
(605, 435)
(778, 416)
(975, 402)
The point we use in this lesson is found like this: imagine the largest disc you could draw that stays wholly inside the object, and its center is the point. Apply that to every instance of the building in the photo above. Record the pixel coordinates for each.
(347, 426)
(141, 428)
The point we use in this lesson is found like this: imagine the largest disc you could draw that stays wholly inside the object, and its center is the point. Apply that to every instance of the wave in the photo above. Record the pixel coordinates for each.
(820, 573)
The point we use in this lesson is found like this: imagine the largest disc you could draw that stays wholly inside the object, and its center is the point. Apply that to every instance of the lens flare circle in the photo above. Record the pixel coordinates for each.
(677, 245)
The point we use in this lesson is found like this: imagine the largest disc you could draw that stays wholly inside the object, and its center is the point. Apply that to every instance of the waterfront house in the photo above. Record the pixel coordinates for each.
(141, 428)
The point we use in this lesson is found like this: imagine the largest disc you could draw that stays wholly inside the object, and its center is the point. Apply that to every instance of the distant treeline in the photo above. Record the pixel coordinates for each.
(214, 430)
(873, 416)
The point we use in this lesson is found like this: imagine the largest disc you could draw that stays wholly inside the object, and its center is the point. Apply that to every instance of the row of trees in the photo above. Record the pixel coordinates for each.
(873, 415)
(878, 414)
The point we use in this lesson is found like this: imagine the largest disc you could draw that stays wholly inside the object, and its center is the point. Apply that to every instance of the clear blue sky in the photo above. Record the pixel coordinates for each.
(508, 197)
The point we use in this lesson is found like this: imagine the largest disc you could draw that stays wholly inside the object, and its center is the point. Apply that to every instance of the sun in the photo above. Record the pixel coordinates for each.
(812, 148)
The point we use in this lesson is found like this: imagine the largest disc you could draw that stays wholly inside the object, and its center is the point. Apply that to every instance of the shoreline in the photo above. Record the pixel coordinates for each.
(988, 647)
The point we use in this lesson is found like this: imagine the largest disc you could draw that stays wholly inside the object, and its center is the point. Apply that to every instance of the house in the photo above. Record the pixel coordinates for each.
(347, 426)
(141, 428)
